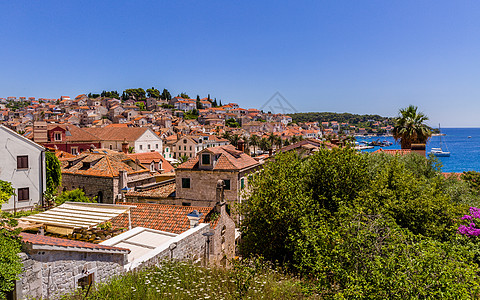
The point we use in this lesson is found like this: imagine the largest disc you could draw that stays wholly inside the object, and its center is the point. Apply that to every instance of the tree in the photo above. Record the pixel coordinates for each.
(410, 127)
(265, 144)
(10, 264)
(199, 104)
(166, 95)
(76, 195)
(153, 93)
(53, 174)
(184, 96)
(136, 94)
(360, 226)
(214, 103)
(220, 103)
(254, 141)
(232, 123)
(111, 94)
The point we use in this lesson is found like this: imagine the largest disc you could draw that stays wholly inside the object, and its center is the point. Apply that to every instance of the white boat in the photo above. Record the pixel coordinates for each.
(439, 152)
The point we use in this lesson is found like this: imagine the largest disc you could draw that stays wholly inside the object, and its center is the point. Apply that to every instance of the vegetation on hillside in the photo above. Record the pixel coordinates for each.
(370, 226)
(352, 119)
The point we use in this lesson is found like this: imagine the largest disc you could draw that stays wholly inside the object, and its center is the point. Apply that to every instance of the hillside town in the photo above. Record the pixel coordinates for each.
(161, 178)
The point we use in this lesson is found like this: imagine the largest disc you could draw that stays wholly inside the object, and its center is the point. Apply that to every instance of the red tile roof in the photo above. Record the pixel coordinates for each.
(394, 152)
(148, 157)
(169, 218)
(36, 239)
(229, 159)
(102, 163)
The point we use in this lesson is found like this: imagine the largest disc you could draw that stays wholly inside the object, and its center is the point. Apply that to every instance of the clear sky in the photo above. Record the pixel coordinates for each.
(343, 56)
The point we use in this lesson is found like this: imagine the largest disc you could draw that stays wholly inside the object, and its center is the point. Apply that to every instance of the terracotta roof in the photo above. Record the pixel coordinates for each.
(148, 157)
(161, 192)
(118, 133)
(394, 152)
(169, 218)
(101, 162)
(76, 134)
(301, 144)
(229, 159)
(35, 239)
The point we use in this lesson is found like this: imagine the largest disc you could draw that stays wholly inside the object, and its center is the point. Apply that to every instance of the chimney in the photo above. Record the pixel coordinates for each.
(194, 218)
(418, 148)
(40, 132)
(219, 196)
(125, 146)
(241, 145)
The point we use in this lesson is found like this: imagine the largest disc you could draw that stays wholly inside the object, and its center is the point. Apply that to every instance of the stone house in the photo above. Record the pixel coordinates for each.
(196, 179)
(103, 174)
(22, 162)
(191, 145)
(54, 266)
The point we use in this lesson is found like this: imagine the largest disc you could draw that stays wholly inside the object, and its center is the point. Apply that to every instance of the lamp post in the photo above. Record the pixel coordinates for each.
(208, 234)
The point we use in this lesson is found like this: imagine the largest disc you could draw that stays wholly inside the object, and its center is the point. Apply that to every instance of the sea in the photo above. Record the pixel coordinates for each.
(463, 144)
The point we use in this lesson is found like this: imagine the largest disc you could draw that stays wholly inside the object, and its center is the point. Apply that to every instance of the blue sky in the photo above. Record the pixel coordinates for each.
(343, 56)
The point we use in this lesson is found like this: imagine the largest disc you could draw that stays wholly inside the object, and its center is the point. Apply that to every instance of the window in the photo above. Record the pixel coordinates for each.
(242, 183)
(58, 136)
(186, 204)
(74, 150)
(227, 184)
(205, 159)
(85, 282)
(166, 149)
(22, 162)
(148, 146)
(184, 141)
(156, 146)
(185, 183)
(184, 148)
(23, 194)
(141, 147)
(190, 148)
(179, 147)
(111, 147)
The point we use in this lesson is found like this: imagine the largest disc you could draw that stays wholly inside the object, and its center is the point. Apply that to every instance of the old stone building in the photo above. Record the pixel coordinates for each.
(189, 146)
(55, 266)
(104, 174)
(196, 179)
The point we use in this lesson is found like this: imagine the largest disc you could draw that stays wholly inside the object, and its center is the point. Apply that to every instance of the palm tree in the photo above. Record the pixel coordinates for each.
(254, 141)
(278, 142)
(410, 128)
(265, 144)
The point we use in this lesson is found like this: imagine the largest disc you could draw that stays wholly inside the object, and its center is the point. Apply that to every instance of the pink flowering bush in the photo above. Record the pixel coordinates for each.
(470, 229)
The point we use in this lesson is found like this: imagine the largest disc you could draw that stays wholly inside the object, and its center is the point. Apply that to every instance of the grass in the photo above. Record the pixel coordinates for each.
(183, 280)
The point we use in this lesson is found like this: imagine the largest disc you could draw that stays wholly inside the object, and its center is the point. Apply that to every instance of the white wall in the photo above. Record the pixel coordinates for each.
(11, 146)
(148, 138)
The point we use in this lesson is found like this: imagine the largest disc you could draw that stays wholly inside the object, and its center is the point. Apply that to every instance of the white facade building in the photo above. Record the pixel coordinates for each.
(22, 162)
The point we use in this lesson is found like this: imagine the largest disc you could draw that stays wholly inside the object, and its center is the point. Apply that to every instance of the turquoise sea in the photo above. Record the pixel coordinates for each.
(465, 151)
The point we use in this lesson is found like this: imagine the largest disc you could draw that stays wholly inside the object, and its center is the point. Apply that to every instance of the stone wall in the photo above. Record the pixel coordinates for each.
(222, 246)
(47, 274)
(92, 185)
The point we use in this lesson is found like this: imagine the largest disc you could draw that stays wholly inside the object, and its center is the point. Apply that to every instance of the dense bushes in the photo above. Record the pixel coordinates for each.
(363, 226)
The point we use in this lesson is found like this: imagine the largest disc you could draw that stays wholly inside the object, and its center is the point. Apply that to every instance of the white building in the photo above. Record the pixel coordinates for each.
(142, 139)
(22, 162)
